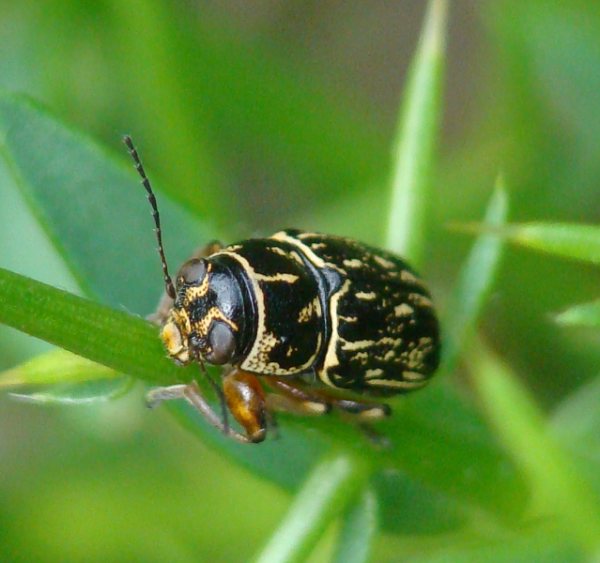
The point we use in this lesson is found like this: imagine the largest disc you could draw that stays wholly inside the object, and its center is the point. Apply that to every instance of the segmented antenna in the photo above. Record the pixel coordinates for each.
(169, 288)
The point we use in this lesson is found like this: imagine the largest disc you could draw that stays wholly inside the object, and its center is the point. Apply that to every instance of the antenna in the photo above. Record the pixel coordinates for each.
(169, 288)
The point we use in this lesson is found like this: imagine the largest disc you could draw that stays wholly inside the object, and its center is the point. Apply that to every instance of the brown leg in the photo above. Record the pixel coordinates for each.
(246, 400)
(317, 401)
(166, 302)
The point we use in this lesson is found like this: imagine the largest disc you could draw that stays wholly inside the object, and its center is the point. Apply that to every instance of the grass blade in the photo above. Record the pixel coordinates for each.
(475, 280)
(558, 486)
(359, 526)
(328, 488)
(585, 314)
(56, 366)
(567, 240)
(415, 138)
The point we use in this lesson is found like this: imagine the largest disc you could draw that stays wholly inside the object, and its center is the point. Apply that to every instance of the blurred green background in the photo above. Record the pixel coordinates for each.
(260, 115)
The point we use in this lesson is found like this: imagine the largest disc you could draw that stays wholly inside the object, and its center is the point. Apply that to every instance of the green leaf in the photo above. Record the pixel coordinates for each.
(56, 366)
(586, 314)
(577, 419)
(92, 207)
(474, 281)
(415, 139)
(358, 529)
(86, 393)
(60, 377)
(118, 340)
(575, 424)
(322, 497)
(567, 240)
(559, 488)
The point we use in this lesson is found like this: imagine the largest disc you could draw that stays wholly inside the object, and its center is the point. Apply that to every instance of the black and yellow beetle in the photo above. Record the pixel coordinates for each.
(304, 312)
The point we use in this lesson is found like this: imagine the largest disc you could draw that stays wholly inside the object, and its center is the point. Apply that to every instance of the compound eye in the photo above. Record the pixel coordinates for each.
(222, 344)
(192, 272)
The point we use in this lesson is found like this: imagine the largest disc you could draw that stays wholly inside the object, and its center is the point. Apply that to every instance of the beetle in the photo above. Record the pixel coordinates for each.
(301, 312)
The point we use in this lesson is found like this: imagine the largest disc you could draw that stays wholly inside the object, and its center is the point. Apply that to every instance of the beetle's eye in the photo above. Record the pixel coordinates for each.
(192, 271)
(222, 343)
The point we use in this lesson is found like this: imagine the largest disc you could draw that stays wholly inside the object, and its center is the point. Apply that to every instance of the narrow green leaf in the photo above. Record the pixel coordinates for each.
(415, 139)
(577, 419)
(85, 393)
(329, 488)
(56, 366)
(558, 486)
(60, 377)
(575, 424)
(358, 528)
(118, 340)
(474, 281)
(586, 314)
(567, 240)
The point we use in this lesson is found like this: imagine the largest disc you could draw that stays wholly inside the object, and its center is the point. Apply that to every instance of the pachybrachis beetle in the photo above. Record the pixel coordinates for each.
(301, 313)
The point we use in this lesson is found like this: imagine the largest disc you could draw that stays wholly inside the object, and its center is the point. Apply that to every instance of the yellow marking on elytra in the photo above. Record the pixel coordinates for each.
(420, 300)
(277, 250)
(413, 375)
(331, 359)
(288, 278)
(308, 253)
(389, 265)
(356, 344)
(361, 357)
(396, 384)
(403, 310)
(286, 254)
(408, 277)
(317, 245)
(366, 296)
(373, 373)
(353, 263)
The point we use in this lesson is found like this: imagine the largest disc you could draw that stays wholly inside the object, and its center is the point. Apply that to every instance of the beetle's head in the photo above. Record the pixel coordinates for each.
(197, 328)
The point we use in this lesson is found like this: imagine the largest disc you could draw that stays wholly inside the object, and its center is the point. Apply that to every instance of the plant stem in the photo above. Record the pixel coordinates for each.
(332, 484)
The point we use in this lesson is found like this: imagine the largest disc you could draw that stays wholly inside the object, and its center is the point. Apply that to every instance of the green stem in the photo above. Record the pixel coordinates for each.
(97, 332)
(332, 484)
(417, 127)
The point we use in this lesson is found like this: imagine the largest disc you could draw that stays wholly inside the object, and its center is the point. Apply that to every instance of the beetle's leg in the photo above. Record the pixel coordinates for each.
(191, 393)
(164, 305)
(246, 400)
(291, 398)
(318, 401)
